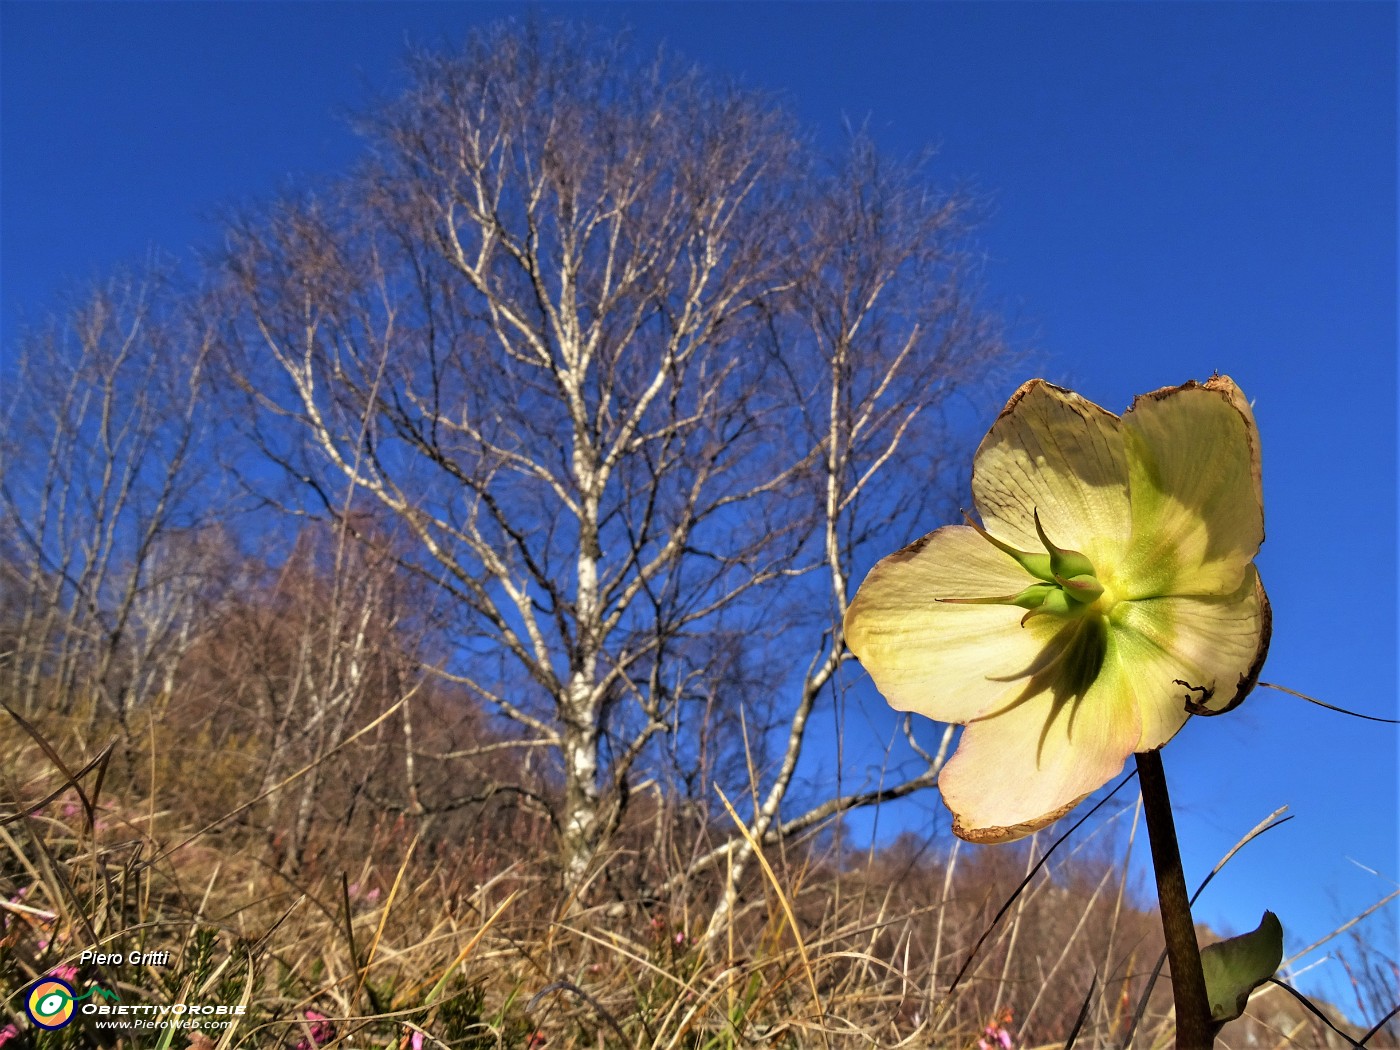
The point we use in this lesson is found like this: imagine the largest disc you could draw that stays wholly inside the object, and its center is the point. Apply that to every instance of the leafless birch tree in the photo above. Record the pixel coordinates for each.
(634, 368)
(309, 647)
(103, 495)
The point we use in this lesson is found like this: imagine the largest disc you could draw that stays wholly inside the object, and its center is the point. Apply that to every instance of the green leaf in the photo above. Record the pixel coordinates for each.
(1237, 966)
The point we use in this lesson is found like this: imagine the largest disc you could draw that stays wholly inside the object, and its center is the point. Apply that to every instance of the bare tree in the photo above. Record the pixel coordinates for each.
(103, 497)
(628, 361)
(884, 330)
(310, 646)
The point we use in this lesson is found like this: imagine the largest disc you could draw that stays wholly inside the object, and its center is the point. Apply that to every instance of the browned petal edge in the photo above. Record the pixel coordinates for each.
(1230, 391)
(910, 551)
(1081, 404)
(1030, 384)
(1226, 387)
(1022, 391)
(992, 836)
(1162, 393)
(1250, 678)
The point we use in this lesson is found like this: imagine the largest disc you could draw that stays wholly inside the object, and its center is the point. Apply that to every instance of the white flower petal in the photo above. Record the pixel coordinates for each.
(1054, 452)
(1166, 506)
(938, 658)
(1215, 644)
(1030, 764)
(1197, 500)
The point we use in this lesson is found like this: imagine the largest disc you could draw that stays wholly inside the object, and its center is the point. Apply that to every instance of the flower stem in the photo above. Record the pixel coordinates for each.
(1194, 1030)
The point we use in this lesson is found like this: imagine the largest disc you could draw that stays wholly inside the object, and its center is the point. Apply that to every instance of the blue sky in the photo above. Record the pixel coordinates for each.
(1174, 189)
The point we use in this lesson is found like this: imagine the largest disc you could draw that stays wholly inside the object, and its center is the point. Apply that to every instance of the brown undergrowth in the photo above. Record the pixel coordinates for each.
(396, 930)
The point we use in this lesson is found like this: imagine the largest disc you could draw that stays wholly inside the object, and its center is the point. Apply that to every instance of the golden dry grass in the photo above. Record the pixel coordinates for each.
(393, 932)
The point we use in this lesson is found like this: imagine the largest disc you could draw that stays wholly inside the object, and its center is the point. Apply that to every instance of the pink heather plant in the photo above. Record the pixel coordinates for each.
(322, 1031)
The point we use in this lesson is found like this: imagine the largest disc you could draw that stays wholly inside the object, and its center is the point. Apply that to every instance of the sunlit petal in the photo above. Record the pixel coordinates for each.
(937, 658)
(1054, 452)
(1215, 645)
(1029, 764)
(1197, 501)
(1110, 596)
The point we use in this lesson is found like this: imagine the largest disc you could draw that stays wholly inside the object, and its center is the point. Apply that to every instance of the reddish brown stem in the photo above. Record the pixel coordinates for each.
(1194, 1029)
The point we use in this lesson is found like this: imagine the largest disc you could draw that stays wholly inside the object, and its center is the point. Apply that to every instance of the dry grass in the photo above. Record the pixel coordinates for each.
(398, 932)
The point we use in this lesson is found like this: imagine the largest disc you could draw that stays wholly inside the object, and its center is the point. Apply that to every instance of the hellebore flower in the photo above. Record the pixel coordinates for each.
(1109, 593)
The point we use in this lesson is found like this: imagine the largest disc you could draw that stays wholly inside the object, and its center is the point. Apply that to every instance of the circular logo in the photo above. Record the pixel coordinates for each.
(50, 1003)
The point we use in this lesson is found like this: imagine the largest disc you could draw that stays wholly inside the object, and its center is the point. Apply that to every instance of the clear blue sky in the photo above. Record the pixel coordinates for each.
(1176, 188)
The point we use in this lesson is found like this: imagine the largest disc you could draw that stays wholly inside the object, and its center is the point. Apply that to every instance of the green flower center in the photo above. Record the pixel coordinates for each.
(1067, 585)
(1067, 588)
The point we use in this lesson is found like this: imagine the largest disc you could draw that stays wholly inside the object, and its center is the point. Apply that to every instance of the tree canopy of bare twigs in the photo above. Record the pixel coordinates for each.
(634, 371)
(105, 564)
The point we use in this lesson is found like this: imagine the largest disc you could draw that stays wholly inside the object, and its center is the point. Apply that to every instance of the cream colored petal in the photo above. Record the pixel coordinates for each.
(937, 658)
(1197, 501)
(1028, 765)
(1215, 644)
(1051, 450)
